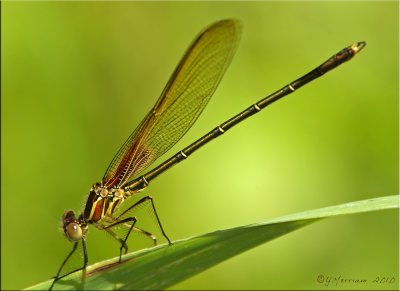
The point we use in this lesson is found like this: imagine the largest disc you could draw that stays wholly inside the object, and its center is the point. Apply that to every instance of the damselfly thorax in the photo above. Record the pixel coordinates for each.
(101, 204)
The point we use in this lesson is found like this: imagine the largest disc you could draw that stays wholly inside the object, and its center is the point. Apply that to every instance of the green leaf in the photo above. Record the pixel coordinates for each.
(165, 265)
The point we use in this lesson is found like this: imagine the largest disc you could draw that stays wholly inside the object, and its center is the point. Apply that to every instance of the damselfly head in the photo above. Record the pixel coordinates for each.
(73, 228)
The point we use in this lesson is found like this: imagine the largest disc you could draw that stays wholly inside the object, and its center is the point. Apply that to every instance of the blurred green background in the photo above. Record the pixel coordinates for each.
(77, 77)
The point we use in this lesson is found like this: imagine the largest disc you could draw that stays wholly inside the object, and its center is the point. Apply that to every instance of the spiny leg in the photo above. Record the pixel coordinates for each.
(122, 241)
(115, 236)
(146, 233)
(136, 229)
(85, 261)
(142, 201)
(158, 219)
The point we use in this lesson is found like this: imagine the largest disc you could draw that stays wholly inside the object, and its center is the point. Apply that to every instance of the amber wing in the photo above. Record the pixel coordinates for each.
(186, 94)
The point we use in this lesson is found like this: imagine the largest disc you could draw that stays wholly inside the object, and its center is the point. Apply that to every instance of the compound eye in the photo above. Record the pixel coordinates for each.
(73, 231)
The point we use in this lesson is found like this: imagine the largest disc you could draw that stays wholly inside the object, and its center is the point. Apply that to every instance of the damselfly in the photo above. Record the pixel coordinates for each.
(185, 96)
